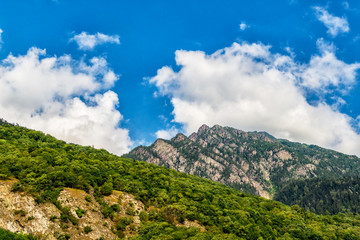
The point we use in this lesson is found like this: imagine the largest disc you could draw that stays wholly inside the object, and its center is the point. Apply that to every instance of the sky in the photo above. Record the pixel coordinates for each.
(118, 74)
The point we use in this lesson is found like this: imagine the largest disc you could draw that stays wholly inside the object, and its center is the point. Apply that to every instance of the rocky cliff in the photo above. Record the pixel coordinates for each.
(19, 212)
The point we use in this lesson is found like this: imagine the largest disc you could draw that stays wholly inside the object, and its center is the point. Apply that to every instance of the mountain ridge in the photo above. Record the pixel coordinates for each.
(255, 162)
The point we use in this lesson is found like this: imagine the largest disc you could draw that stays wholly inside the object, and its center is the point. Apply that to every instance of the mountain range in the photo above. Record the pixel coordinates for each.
(253, 162)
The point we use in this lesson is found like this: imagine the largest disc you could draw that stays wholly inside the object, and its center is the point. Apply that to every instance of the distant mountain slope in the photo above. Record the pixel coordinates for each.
(323, 195)
(254, 162)
(67, 189)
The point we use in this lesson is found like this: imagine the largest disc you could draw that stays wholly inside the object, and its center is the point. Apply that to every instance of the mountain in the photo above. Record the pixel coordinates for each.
(254, 162)
(56, 190)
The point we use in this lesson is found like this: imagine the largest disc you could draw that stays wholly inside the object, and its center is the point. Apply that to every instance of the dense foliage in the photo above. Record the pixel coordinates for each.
(44, 165)
(323, 195)
(6, 235)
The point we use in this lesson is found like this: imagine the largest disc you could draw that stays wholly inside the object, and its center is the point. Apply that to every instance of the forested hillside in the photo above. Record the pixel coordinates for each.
(44, 166)
(323, 195)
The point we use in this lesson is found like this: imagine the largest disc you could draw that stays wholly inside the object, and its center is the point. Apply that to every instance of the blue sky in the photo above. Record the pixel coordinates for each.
(110, 77)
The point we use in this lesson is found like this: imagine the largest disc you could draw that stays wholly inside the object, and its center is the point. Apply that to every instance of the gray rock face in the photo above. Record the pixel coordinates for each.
(254, 162)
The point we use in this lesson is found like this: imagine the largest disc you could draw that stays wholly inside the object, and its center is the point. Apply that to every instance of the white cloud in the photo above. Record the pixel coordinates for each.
(334, 24)
(326, 70)
(87, 41)
(248, 87)
(57, 95)
(243, 26)
(167, 133)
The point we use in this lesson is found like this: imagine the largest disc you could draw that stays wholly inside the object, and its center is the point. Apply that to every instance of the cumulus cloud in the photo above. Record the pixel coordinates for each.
(167, 133)
(248, 87)
(243, 26)
(87, 41)
(326, 70)
(57, 95)
(334, 24)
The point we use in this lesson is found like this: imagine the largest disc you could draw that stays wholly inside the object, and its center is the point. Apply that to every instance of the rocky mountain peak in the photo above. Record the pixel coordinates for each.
(193, 137)
(223, 132)
(203, 128)
(179, 137)
(217, 127)
(159, 141)
(254, 162)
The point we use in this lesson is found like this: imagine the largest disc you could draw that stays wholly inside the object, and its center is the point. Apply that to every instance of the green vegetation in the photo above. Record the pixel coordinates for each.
(67, 216)
(6, 235)
(20, 212)
(323, 195)
(87, 198)
(59, 236)
(87, 229)
(122, 223)
(30, 218)
(53, 218)
(44, 165)
(80, 212)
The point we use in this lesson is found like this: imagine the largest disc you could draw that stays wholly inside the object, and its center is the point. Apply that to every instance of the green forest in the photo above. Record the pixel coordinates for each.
(7, 235)
(323, 195)
(44, 165)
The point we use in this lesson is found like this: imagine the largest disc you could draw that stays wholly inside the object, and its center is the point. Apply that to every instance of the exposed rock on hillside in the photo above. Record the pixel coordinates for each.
(254, 162)
(19, 212)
